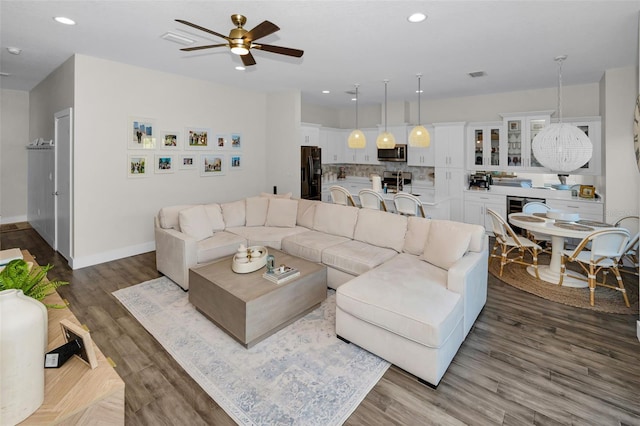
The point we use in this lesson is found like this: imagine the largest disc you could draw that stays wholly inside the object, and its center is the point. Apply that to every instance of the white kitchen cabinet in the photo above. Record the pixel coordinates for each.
(588, 210)
(449, 146)
(520, 129)
(476, 205)
(366, 155)
(309, 135)
(449, 185)
(333, 147)
(591, 126)
(486, 147)
(423, 157)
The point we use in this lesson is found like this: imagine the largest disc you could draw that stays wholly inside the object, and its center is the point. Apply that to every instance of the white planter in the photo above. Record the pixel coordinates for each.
(23, 342)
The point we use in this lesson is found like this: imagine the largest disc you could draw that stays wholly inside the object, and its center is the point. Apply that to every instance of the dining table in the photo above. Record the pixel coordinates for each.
(559, 230)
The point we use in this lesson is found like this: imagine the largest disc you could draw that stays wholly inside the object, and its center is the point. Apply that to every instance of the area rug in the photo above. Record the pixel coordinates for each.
(302, 375)
(606, 300)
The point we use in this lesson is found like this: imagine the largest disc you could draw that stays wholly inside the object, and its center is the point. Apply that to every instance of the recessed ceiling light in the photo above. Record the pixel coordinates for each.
(354, 99)
(326, 91)
(417, 17)
(419, 91)
(63, 20)
(240, 68)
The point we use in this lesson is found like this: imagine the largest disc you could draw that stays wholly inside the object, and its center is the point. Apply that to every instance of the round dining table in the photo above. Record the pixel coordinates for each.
(558, 230)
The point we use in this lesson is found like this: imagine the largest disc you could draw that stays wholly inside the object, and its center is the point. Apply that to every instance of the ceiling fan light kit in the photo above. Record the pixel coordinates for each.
(419, 136)
(562, 147)
(385, 139)
(357, 139)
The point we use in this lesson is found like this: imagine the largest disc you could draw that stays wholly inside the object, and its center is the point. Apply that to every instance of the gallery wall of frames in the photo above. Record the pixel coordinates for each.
(180, 150)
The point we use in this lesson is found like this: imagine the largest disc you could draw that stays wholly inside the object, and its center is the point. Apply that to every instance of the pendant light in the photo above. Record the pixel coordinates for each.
(385, 139)
(419, 136)
(356, 138)
(561, 147)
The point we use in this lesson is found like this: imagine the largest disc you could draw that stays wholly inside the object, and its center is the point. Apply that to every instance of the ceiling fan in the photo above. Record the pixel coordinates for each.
(241, 41)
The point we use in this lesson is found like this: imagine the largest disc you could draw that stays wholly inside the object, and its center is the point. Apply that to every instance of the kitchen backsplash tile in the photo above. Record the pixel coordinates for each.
(365, 170)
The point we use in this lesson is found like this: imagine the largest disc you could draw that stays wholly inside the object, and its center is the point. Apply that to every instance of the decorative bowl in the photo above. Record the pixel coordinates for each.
(254, 262)
(562, 215)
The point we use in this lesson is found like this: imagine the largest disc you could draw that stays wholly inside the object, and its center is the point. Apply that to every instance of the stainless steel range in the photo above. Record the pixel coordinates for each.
(396, 181)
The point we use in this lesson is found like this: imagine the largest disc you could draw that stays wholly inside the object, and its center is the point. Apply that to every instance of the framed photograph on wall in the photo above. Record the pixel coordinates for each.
(170, 140)
(197, 138)
(188, 162)
(236, 140)
(212, 165)
(137, 165)
(164, 163)
(235, 162)
(222, 141)
(140, 133)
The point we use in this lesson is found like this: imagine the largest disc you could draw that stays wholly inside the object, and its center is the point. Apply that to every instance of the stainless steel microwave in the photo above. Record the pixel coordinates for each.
(399, 153)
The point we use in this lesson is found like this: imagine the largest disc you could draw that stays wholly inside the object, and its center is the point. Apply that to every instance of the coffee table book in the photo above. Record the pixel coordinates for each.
(281, 277)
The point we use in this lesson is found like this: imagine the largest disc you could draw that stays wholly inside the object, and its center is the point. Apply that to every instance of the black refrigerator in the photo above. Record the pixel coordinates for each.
(310, 173)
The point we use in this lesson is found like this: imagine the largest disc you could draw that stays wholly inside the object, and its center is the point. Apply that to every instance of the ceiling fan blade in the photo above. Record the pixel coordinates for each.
(206, 30)
(261, 30)
(248, 60)
(210, 46)
(279, 49)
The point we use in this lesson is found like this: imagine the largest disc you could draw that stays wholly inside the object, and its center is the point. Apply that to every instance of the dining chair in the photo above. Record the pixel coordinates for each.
(513, 247)
(408, 205)
(340, 195)
(631, 224)
(370, 199)
(606, 248)
(536, 237)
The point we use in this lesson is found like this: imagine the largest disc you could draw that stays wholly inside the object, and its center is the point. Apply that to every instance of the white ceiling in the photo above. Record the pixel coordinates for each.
(345, 42)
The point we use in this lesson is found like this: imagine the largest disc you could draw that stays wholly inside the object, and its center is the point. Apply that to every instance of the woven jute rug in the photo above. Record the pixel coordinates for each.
(606, 300)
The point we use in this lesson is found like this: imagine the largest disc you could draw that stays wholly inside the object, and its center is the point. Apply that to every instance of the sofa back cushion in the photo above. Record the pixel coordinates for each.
(282, 212)
(381, 229)
(285, 195)
(168, 216)
(335, 219)
(256, 213)
(417, 232)
(448, 241)
(306, 212)
(234, 213)
(215, 216)
(195, 222)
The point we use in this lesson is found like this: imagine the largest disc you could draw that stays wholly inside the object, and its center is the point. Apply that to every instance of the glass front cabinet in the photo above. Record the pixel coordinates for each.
(520, 129)
(486, 147)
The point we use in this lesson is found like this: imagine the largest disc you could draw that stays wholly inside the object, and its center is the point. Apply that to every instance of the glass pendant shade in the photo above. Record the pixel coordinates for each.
(386, 141)
(419, 137)
(357, 140)
(562, 147)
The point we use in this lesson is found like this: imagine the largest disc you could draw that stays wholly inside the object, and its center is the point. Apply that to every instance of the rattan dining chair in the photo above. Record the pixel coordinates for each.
(631, 224)
(513, 247)
(370, 199)
(408, 205)
(606, 248)
(536, 237)
(340, 195)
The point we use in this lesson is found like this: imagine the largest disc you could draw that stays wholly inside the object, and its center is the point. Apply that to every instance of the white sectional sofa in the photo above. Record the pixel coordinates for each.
(408, 289)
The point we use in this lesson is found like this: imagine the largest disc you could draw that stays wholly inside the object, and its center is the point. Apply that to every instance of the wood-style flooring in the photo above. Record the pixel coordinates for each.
(527, 361)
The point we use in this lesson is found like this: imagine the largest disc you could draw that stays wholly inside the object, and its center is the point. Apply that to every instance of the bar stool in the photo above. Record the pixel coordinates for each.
(340, 195)
(370, 199)
(408, 205)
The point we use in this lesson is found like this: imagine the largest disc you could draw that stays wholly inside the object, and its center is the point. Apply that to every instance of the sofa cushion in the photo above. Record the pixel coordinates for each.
(168, 216)
(381, 229)
(310, 244)
(268, 236)
(416, 237)
(355, 257)
(256, 213)
(234, 213)
(335, 219)
(221, 244)
(282, 212)
(215, 216)
(285, 195)
(306, 212)
(446, 243)
(405, 297)
(195, 222)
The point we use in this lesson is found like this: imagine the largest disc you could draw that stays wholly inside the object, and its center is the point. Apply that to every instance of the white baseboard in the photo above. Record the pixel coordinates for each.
(12, 219)
(95, 259)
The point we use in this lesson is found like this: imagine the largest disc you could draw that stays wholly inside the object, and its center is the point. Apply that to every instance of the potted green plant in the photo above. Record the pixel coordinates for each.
(32, 281)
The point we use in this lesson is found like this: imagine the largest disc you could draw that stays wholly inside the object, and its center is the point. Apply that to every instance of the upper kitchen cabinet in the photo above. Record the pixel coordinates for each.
(309, 135)
(366, 155)
(449, 145)
(333, 144)
(423, 157)
(486, 148)
(520, 130)
(592, 128)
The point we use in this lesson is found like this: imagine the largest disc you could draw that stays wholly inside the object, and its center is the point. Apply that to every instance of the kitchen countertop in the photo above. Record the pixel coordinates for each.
(551, 194)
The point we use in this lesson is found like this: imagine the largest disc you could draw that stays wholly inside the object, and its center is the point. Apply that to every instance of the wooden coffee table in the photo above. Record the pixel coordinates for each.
(249, 307)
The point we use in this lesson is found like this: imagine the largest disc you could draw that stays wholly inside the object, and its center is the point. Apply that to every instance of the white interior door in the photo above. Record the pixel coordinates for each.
(63, 183)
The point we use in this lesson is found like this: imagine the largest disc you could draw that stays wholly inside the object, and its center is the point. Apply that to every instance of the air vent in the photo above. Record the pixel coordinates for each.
(477, 74)
(177, 38)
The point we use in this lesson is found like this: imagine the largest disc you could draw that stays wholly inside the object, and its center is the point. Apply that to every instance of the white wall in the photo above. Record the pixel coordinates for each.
(114, 213)
(283, 153)
(14, 137)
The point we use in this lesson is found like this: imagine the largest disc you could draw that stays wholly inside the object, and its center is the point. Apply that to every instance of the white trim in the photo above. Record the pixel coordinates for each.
(13, 219)
(107, 256)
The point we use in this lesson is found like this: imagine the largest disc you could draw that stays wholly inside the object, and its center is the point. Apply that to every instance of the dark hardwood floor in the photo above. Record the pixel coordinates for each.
(527, 360)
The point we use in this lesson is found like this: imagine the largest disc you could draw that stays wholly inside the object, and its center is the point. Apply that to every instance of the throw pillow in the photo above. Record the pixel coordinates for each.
(306, 212)
(286, 195)
(215, 216)
(195, 223)
(446, 243)
(416, 237)
(282, 213)
(234, 213)
(257, 211)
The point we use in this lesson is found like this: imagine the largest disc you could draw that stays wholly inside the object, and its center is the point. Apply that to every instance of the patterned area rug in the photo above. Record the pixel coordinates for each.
(607, 300)
(302, 375)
